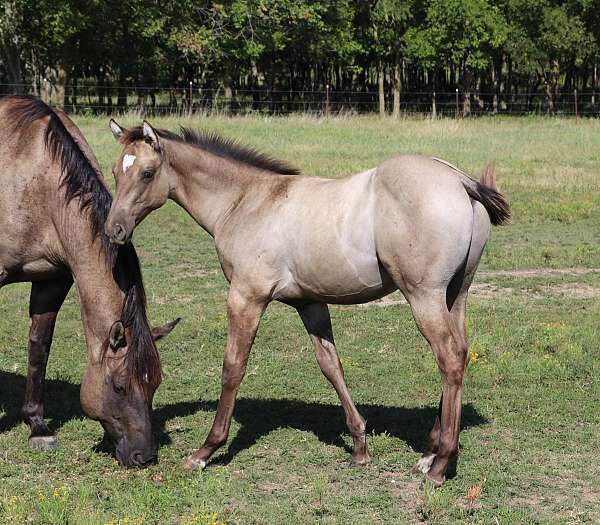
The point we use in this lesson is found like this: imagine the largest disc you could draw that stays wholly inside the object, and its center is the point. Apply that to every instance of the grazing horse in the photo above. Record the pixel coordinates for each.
(53, 206)
(413, 223)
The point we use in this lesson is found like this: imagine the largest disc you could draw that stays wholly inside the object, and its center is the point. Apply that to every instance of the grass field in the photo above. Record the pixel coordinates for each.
(531, 417)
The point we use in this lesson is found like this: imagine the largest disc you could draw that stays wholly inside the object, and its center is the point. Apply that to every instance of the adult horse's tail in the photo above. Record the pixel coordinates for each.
(486, 192)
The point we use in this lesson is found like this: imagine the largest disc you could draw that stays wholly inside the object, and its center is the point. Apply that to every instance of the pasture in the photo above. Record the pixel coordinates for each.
(532, 390)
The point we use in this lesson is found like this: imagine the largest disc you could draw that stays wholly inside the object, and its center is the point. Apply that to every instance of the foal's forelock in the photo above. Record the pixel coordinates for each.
(82, 181)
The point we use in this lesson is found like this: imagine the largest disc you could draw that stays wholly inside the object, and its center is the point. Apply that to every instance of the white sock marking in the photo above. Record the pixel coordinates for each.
(424, 464)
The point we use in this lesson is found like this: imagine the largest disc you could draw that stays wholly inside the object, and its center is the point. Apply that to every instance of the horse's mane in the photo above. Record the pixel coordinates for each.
(82, 181)
(217, 145)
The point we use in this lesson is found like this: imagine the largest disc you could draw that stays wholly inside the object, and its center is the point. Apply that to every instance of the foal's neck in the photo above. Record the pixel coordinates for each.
(205, 185)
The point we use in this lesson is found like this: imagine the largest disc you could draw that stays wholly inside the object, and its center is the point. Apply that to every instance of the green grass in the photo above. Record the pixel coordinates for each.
(530, 419)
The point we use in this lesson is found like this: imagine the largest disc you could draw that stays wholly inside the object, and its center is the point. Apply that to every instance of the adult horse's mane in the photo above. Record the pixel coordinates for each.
(217, 145)
(82, 181)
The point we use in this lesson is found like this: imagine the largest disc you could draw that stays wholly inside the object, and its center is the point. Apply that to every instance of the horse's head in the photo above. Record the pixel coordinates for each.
(142, 184)
(117, 390)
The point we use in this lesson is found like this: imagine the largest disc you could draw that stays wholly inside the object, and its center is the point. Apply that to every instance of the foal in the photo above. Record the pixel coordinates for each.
(413, 223)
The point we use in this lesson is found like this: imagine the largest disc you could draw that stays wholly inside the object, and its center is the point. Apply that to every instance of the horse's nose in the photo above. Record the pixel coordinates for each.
(118, 234)
(137, 459)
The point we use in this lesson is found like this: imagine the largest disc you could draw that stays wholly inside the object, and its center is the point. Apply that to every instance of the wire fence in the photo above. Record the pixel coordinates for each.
(185, 100)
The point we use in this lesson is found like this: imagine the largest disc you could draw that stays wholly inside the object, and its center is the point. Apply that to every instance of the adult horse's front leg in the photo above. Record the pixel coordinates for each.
(244, 312)
(317, 321)
(44, 304)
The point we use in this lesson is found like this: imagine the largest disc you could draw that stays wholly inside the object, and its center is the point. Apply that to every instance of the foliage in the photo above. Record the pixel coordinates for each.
(510, 45)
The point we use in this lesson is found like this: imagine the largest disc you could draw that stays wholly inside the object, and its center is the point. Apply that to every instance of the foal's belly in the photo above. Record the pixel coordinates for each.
(340, 284)
(330, 243)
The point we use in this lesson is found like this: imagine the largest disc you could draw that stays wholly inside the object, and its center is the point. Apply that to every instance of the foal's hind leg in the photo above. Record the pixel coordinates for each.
(316, 319)
(457, 313)
(449, 347)
(45, 302)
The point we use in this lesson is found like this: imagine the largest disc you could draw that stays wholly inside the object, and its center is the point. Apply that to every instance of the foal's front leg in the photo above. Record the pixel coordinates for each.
(244, 313)
(317, 321)
(44, 304)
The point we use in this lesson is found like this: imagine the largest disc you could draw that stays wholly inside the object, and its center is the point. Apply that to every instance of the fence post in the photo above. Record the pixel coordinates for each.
(576, 110)
(190, 101)
(457, 113)
(327, 108)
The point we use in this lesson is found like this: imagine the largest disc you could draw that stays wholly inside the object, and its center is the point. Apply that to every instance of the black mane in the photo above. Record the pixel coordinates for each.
(83, 182)
(220, 146)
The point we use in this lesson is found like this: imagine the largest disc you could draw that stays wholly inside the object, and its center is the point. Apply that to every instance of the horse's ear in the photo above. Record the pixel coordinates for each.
(117, 130)
(150, 135)
(116, 338)
(161, 332)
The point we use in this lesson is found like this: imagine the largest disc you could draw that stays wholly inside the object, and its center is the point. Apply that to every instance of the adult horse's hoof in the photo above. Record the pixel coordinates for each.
(194, 464)
(436, 482)
(423, 465)
(43, 442)
(360, 461)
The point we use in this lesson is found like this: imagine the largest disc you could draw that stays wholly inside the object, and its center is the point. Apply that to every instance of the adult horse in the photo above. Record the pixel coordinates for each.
(413, 223)
(52, 212)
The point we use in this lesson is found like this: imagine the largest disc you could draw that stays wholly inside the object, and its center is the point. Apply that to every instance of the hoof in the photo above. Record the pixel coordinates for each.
(436, 482)
(360, 461)
(423, 465)
(43, 442)
(194, 464)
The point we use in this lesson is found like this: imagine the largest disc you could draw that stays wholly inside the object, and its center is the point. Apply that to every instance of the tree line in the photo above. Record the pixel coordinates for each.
(499, 55)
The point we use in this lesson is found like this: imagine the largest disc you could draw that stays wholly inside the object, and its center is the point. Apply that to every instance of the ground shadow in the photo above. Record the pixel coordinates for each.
(257, 417)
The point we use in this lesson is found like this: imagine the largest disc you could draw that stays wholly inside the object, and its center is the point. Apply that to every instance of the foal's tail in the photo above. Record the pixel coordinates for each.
(486, 192)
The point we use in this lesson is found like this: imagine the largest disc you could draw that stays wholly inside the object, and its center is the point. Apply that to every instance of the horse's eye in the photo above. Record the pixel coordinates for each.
(147, 174)
(119, 389)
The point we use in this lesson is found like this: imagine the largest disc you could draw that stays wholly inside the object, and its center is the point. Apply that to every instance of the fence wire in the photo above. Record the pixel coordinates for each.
(182, 100)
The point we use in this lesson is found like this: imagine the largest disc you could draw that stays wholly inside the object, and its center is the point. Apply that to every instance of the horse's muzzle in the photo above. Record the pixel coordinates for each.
(118, 234)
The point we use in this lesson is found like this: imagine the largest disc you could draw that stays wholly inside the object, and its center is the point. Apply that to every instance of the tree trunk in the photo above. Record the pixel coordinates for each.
(381, 87)
(477, 95)
(433, 102)
(397, 87)
(467, 83)
(594, 85)
(551, 81)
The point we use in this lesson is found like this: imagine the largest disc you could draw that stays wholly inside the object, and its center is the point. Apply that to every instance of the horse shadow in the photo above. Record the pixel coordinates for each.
(257, 417)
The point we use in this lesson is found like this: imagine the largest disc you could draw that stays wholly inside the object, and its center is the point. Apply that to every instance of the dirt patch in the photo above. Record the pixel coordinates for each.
(539, 272)
(407, 489)
(576, 291)
(489, 291)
